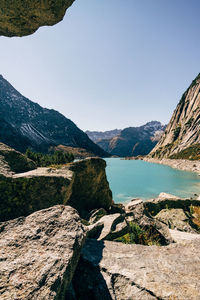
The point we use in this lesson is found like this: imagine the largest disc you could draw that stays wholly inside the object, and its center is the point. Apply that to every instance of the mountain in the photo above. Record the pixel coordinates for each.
(27, 124)
(134, 141)
(96, 136)
(182, 135)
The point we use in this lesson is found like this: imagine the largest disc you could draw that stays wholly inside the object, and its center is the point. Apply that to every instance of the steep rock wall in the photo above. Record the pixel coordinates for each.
(183, 130)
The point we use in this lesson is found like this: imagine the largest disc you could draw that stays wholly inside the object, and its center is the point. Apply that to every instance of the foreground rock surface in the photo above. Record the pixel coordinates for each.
(20, 18)
(109, 270)
(39, 254)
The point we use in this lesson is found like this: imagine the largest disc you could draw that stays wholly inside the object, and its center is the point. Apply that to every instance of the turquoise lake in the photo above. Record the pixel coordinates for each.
(130, 179)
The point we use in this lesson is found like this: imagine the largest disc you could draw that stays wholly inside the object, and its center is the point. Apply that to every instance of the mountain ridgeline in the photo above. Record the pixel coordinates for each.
(132, 141)
(97, 136)
(25, 124)
(181, 138)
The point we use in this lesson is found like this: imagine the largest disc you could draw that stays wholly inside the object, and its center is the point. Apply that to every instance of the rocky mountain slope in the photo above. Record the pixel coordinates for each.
(19, 18)
(96, 136)
(182, 135)
(134, 141)
(26, 124)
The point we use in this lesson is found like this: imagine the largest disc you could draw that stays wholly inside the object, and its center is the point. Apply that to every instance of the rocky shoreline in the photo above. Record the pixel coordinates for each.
(63, 237)
(144, 250)
(180, 164)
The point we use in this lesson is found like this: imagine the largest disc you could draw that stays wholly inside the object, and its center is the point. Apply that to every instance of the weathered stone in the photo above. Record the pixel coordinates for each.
(90, 188)
(132, 205)
(24, 17)
(12, 161)
(82, 185)
(108, 227)
(138, 214)
(175, 219)
(179, 236)
(117, 208)
(96, 214)
(154, 206)
(109, 270)
(39, 254)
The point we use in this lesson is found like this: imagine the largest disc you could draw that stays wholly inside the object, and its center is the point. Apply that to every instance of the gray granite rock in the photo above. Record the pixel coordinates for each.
(39, 254)
(108, 227)
(109, 270)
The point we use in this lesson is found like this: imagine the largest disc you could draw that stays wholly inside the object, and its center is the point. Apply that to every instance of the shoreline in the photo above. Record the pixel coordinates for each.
(180, 164)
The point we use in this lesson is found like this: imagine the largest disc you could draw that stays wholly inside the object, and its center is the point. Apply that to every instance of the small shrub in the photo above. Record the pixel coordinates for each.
(139, 235)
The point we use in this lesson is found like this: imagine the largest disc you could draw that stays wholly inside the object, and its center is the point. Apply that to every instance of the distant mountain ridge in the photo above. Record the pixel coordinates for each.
(96, 136)
(182, 135)
(133, 141)
(27, 124)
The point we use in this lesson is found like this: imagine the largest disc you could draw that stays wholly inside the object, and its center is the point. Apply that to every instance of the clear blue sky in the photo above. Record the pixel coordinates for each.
(110, 63)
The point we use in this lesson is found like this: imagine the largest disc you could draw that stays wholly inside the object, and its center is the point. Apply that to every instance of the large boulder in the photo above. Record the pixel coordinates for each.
(109, 270)
(39, 254)
(12, 161)
(82, 185)
(175, 219)
(90, 189)
(24, 17)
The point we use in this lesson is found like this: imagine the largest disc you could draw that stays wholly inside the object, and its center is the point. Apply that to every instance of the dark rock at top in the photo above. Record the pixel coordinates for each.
(24, 17)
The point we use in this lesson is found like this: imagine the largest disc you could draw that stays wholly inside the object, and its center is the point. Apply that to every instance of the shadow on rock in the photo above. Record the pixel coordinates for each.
(88, 282)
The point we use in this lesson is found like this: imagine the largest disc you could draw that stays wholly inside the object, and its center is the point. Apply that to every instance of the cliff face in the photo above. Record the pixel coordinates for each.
(183, 130)
(23, 17)
(27, 124)
(134, 141)
(83, 185)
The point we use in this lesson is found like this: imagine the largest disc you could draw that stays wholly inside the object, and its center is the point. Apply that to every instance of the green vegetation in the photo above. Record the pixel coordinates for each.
(44, 160)
(137, 235)
(191, 153)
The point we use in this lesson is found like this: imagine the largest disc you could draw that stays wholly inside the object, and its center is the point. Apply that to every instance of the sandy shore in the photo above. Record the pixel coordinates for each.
(181, 164)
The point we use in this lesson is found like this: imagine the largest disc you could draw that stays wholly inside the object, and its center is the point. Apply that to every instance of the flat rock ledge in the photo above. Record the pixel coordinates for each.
(39, 254)
(109, 270)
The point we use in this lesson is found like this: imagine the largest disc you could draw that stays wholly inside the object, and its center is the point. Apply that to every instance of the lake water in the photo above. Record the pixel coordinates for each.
(130, 179)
